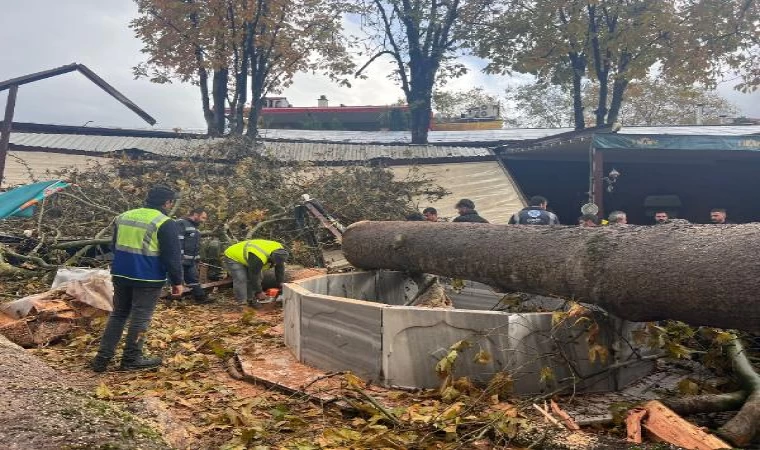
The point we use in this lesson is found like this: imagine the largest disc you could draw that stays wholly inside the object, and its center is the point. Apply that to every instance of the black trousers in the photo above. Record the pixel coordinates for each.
(190, 274)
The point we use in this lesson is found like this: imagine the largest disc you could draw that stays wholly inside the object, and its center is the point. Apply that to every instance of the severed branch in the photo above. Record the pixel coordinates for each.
(34, 259)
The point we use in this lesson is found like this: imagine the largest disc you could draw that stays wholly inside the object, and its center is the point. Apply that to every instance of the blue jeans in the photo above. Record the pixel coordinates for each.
(133, 304)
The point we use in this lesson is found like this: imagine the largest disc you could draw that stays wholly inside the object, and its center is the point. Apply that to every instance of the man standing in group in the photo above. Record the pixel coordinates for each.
(190, 238)
(535, 213)
(718, 216)
(246, 262)
(145, 248)
(431, 214)
(467, 213)
(618, 218)
(661, 217)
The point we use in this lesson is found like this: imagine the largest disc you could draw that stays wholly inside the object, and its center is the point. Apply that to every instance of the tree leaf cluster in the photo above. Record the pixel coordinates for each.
(617, 42)
(238, 51)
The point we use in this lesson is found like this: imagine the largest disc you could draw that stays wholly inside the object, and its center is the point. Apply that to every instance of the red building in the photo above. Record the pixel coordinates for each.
(279, 113)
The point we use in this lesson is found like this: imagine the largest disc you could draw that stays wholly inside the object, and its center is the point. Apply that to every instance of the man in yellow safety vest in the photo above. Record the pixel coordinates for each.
(246, 261)
(146, 248)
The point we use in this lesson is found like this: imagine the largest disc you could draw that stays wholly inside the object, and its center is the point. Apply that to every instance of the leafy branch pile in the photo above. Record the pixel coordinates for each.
(246, 193)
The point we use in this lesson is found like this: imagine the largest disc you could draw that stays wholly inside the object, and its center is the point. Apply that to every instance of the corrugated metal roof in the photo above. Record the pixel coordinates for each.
(104, 144)
(327, 152)
(395, 137)
(697, 130)
(289, 151)
(310, 145)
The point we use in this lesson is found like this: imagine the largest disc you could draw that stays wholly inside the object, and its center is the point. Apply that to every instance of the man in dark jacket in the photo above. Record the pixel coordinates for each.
(467, 213)
(190, 240)
(535, 213)
(145, 247)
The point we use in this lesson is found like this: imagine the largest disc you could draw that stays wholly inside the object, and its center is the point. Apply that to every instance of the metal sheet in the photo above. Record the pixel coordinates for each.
(341, 334)
(496, 195)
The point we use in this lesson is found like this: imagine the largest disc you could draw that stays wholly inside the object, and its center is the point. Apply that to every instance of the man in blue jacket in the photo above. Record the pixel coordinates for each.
(146, 248)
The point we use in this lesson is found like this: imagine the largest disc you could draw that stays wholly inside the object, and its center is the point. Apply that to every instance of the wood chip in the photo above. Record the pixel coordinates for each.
(633, 424)
(664, 424)
(566, 419)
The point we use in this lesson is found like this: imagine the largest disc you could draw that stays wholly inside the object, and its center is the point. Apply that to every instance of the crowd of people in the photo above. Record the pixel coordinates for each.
(536, 213)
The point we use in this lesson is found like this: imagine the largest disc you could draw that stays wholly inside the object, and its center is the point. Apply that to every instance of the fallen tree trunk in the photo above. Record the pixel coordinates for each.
(699, 274)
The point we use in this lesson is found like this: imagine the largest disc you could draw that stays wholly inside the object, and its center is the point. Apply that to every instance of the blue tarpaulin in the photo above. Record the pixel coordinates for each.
(20, 201)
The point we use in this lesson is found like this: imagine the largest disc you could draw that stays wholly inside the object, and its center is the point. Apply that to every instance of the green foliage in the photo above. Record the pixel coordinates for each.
(648, 102)
(616, 42)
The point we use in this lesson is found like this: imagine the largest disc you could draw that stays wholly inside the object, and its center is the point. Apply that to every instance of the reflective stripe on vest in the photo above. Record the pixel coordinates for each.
(136, 254)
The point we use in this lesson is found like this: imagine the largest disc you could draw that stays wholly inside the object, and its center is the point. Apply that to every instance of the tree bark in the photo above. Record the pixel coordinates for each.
(219, 92)
(578, 63)
(699, 274)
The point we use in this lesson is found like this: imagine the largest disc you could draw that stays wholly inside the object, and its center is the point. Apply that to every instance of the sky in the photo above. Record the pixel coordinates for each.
(43, 34)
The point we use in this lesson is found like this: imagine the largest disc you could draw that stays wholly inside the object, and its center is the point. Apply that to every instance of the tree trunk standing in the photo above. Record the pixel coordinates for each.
(241, 84)
(420, 118)
(422, 77)
(578, 63)
(618, 89)
(601, 65)
(699, 274)
(219, 92)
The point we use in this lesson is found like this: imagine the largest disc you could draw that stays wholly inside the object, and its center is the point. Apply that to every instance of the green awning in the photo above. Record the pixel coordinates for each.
(675, 142)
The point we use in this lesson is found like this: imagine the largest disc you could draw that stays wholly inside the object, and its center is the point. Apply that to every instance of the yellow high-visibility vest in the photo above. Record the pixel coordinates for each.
(262, 248)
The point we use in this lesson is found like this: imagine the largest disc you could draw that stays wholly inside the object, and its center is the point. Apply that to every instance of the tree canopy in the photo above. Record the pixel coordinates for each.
(649, 102)
(250, 48)
(616, 42)
(422, 38)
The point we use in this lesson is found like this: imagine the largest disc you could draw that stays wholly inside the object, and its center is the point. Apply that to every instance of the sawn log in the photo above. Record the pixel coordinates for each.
(699, 274)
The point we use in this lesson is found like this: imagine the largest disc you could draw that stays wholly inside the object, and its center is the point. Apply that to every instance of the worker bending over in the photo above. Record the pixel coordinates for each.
(247, 260)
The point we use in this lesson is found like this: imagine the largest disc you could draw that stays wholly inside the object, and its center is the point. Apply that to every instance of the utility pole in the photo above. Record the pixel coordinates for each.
(5, 130)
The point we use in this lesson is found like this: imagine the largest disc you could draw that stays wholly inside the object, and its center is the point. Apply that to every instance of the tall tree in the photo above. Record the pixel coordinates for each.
(422, 38)
(615, 42)
(545, 38)
(251, 48)
(649, 102)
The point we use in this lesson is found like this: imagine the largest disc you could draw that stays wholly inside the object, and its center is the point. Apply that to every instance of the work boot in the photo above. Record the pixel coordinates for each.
(99, 364)
(141, 362)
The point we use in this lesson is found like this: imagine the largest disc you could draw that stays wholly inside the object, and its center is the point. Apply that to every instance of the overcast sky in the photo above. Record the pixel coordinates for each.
(43, 34)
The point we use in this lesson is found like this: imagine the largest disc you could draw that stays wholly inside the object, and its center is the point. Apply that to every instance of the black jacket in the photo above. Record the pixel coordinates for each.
(534, 215)
(471, 216)
(190, 240)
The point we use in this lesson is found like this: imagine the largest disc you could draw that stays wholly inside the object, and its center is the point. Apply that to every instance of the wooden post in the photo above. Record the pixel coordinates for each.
(5, 131)
(597, 177)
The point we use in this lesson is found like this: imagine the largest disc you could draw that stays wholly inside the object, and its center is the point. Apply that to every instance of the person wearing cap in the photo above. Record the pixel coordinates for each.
(190, 239)
(145, 248)
(535, 213)
(247, 260)
(466, 209)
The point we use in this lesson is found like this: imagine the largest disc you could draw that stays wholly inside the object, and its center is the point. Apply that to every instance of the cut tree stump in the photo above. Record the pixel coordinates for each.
(663, 424)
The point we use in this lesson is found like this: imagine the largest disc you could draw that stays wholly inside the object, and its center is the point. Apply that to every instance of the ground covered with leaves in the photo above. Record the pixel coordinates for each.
(196, 404)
